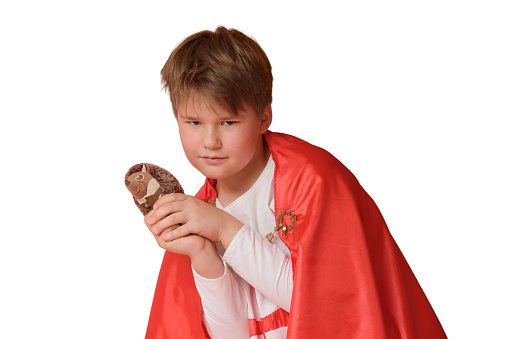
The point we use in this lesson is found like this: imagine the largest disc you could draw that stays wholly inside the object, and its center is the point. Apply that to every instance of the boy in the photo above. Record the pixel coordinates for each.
(281, 241)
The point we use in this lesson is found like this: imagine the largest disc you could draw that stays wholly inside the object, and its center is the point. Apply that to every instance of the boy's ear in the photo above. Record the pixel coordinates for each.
(266, 118)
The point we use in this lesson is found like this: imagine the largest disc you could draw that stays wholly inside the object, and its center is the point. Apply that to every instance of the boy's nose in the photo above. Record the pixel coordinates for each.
(212, 140)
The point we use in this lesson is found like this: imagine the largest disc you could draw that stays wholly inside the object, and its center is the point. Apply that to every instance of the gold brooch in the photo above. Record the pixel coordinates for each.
(280, 224)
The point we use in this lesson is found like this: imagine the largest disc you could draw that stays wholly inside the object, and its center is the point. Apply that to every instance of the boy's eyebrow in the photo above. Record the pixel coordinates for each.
(189, 117)
(221, 117)
(228, 117)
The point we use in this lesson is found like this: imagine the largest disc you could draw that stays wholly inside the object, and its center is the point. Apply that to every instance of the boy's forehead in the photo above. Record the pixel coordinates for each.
(194, 106)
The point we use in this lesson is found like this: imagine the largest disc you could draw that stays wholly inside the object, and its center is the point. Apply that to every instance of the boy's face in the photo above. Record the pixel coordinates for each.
(221, 145)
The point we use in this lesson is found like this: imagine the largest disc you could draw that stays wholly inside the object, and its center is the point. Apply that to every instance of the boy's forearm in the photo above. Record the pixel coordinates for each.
(230, 230)
(207, 262)
(269, 271)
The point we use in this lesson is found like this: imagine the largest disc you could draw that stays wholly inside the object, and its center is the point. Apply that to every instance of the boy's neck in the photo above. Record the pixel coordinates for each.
(228, 190)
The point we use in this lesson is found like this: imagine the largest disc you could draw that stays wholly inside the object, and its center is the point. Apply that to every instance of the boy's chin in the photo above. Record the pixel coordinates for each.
(209, 174)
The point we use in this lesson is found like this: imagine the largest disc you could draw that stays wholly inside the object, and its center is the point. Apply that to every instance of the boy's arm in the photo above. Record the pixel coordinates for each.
(206, 262)
(194, 216)
(224, 305)
(224, 302)
(201, 251)
(272, 275)
(263, 265)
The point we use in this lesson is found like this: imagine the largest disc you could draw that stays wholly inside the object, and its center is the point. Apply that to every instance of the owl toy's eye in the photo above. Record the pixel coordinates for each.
(139, 177)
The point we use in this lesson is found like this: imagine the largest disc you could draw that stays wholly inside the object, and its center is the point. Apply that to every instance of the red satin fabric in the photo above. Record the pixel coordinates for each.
(271, 322)
(176, 308)
(350, 278)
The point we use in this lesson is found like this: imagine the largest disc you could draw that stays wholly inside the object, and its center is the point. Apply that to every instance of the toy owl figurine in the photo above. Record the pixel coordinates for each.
(147, 183)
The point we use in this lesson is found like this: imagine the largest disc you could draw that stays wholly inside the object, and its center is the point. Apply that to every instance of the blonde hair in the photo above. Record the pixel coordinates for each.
(225, 66)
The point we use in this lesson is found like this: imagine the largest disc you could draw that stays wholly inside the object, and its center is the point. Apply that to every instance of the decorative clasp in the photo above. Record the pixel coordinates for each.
(280, 224)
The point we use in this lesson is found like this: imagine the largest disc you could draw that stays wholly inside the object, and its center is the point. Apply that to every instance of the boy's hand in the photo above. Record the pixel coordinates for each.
(201, 251)
(190, 246)
(195, 216)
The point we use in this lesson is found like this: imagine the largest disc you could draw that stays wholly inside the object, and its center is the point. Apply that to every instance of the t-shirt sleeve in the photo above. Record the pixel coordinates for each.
(224, 306)
(263, 265)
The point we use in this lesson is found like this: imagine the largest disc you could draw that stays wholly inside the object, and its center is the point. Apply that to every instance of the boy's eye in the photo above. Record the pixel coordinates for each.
(228, 123)
(194, 123)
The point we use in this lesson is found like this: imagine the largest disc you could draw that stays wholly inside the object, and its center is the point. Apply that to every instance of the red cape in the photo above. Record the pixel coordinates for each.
(350, 278)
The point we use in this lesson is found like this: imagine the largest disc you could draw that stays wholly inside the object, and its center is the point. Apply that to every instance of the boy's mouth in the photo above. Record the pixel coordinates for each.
(212, 160)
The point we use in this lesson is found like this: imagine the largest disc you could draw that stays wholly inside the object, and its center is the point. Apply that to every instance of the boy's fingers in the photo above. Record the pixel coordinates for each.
(164, 200)
(163, 211)
(168, 230)
(177, 246)
(176, 218)
(176, 233)
(169, 198)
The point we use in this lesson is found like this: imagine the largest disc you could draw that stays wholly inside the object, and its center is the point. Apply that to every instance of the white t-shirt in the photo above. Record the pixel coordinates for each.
(260, 281)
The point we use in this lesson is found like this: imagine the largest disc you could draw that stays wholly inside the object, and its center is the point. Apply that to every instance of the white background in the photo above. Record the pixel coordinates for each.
(411, 96)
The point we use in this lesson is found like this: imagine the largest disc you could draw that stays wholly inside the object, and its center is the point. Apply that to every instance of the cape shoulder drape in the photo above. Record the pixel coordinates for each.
(350, 278)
